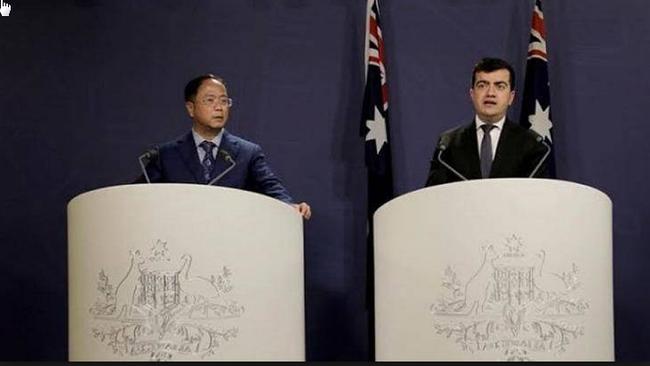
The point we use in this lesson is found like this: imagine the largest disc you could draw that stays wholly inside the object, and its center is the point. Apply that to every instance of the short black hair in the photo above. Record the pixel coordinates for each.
(488, 64)
(193, 85)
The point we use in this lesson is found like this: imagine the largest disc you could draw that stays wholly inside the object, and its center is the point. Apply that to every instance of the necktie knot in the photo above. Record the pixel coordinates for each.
(487, 128)
(208, 146)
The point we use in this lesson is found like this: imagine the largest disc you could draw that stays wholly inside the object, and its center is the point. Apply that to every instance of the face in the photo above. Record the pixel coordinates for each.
(210, 108)
(492, 94)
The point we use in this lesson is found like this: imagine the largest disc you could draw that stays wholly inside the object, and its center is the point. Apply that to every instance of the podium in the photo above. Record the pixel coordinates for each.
(495, 270)
(181, 272)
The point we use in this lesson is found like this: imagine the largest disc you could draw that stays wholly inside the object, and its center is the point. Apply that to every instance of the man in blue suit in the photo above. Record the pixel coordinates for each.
(208, 150)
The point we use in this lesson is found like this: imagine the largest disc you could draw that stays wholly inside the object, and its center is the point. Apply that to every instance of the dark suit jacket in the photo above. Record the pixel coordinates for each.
(518, 153)
(178, 162)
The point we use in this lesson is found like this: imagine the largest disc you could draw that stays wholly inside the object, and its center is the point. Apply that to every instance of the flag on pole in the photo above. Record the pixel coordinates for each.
(374, 121)
(374, 129)
(536, 100)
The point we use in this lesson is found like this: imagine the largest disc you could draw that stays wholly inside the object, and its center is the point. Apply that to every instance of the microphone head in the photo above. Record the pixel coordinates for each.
(540, 139)
(443, 143)
(150, 153)
(226, 156)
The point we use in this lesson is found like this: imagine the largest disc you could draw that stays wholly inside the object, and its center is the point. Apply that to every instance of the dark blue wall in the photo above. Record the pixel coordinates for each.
(86, 85)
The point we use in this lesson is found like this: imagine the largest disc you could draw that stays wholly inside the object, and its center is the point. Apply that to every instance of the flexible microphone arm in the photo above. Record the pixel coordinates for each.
(149, 154)
(541, 161)
(442, 147)
(230, 160)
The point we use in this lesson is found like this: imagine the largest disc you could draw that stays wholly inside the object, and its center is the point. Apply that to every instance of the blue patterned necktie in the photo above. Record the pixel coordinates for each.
(486, 151)
(208, 161)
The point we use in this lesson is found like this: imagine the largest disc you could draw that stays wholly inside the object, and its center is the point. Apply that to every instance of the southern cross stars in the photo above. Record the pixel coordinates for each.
(377, 130)
(540, 122)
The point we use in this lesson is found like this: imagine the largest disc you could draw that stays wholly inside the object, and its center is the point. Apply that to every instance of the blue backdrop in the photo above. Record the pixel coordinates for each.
(87, 85)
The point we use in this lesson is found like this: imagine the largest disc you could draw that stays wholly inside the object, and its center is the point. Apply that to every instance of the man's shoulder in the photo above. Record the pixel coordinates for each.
(228, 139)
(240, 141)
(458, 129)
(455, 133)
(522, 132)
(175, 142)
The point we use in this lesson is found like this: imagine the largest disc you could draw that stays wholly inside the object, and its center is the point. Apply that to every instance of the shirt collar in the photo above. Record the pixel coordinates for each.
(499, 124)
(198, 139)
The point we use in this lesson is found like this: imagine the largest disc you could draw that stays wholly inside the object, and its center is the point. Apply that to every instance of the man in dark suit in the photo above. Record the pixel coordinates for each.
(491, 146)
(205, 152)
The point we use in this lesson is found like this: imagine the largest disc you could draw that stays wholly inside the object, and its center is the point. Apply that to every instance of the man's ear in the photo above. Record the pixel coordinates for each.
(189, 106)
(512, 97)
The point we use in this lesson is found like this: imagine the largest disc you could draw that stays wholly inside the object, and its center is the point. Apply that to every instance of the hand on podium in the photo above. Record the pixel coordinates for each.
(304, 209)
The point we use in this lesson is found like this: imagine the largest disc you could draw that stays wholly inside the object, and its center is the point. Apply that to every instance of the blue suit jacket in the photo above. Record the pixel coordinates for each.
(178, 162)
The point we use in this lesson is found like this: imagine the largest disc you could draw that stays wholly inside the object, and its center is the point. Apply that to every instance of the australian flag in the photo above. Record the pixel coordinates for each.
(374, 129)
(374, 119)
(536, 100)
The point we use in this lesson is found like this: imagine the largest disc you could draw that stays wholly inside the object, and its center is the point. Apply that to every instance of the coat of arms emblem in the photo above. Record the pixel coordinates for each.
(160, 308)
(511, 303)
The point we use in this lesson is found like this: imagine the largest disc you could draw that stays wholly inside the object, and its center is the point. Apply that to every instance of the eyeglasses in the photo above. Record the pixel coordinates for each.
(211, 101)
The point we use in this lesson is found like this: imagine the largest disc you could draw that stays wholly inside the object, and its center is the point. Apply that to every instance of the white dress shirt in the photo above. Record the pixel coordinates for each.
(198, 140)
(495, 133)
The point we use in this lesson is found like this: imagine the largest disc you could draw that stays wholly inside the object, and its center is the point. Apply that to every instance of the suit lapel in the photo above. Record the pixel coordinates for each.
(470, 152)
(505, 147)
(187, 150)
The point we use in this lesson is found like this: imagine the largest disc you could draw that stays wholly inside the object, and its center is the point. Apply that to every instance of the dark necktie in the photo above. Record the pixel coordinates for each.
(486, 151)
(208, 161)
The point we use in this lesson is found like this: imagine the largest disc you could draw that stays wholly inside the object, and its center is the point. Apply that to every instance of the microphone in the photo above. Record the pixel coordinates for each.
(541, 161)
(226, 156)
(149, 154)
(442, 146)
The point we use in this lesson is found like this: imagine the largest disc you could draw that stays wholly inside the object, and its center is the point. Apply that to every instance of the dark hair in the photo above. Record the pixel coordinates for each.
(193, 86)
(488, 64)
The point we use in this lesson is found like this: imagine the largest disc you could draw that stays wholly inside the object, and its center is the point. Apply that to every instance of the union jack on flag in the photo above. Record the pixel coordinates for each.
(536, 100)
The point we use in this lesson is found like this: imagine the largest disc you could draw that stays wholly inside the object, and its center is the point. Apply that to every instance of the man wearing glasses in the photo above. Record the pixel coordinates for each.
(205, 153)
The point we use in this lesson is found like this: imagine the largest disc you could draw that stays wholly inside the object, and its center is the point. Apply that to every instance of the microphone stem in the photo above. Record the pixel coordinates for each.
(222, 173)
(539, 164)
(144, 170)
(448, 166)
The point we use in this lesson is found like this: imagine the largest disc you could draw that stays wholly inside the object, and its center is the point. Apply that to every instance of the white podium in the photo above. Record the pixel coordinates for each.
(184, 272)
(496, 269)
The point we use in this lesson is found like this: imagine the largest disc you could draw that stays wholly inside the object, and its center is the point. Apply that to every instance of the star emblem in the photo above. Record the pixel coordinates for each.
(540, 122)
(159, 251)
(377, 130)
